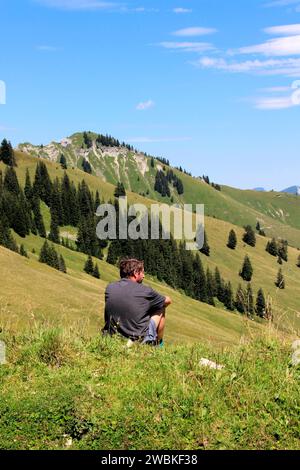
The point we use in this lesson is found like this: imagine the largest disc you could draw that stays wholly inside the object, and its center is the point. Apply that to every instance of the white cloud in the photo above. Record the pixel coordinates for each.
(77, 4)
(282, 102)
(285, 46)
(180, 10)
(194, 31)
(188, 46)
(285, 67)
(143, 106)
(286, 30)
(281, 3)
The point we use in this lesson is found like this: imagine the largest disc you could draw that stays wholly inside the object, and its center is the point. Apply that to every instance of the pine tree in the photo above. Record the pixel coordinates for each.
(152, 162)
(247, 270)
(280, 282)
(120, 190)
(11, 183)
(38, 218)
(63, 162)
(42, 185)
(97, 201)
(240, 300)
(7, 155)
(228, 297)
(23, 252)
(219, 285)
(206, 248)
(28, 187)
(249, 301)
(96, 272)
(211, 288)
(272, 247)
(260, 304)
(199, 278)
(249, 236)
(44, 253)
(283, 250)
(258, 227)
(6, 238)
(89, 267)
(62, 264)
(54, 229)
(232, 240)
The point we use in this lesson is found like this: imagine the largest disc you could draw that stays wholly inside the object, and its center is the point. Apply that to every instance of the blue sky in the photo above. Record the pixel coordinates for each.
(206, 84)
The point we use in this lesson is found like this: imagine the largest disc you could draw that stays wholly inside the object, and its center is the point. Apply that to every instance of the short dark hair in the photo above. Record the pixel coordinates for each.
(128, 267)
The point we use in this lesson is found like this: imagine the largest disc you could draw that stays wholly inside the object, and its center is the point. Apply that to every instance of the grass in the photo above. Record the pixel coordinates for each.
(62, 389)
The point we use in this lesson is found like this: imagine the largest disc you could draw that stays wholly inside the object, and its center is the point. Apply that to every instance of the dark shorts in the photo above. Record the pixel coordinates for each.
(151, 335)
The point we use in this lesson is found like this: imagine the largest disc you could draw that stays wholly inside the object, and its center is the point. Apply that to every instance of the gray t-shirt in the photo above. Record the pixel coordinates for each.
(129, 306)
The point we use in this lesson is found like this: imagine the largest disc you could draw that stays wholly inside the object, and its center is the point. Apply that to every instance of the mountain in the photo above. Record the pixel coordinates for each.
(112, 161)
(292, 190)
(259, 189)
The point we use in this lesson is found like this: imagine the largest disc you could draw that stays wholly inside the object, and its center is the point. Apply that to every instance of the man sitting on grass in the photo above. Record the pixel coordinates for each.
(132, 309)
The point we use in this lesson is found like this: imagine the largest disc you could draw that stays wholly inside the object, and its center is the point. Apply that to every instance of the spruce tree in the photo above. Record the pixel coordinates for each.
(206, 248)
(28, 187)
(42, 185)
(7, 155)
(283, 250)
(240, 300)
(54, 228)
(249, 301)
(89, 267)
(62, 264)
(6, 238)
(280, 282)
(249, 236)
(63, 162)
(232, 240)
(228, 297)
(96, 272)
(247, 270)
(38, 218)
(120, 190)
(23, 252)
(199, 278)
(11, 183)
(272, 247)
(260, 304)
(44, 253)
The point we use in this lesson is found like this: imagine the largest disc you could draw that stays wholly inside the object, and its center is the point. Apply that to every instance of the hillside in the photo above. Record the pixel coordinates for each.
(64, 390)
(278, 213)
(286, 302)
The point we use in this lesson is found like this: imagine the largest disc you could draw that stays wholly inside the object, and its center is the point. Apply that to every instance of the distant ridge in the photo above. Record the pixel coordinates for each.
(259, 189)
(292, 190)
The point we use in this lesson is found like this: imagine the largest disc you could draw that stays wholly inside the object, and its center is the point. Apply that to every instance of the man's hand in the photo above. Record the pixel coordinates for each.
(168, 302)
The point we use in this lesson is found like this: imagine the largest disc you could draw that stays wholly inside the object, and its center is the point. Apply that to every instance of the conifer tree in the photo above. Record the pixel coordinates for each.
(280, 282)
(38, 218)
(120, 190)
(63, 162)
(219, 285)
(7, 155)
(249, 236)
(228, 297)
(23, 252)
(211, 288)
(28, 190)
(42, 185)
(247, 270)
(97, 201)
(62, 264)
(283, 250)
(6, 238)
(44, 253)
(199, 279)
(206, 248)
(272, 247)
(89, 267)
(249, 301)
(240, 300)
(232, 240)
(11, 183)
(96, 272)
(54, 228)
(260, 304)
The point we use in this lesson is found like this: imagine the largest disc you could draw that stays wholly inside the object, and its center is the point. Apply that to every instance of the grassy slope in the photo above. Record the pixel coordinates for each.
(286, 302)
(63, 390)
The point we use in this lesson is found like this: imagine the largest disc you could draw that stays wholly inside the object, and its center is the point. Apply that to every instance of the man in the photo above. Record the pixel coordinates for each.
(132, 309)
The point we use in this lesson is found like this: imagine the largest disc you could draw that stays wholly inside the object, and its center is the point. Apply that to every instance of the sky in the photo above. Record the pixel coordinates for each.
(211, 85)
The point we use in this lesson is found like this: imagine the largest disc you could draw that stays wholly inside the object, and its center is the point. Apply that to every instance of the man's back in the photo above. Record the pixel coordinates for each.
(128, 308)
